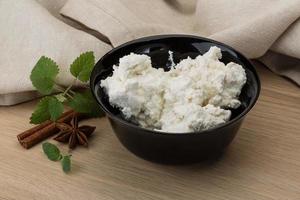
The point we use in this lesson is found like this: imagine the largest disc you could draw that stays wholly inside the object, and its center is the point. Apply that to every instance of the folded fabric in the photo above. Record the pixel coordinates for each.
(267, 30)
(29, 31)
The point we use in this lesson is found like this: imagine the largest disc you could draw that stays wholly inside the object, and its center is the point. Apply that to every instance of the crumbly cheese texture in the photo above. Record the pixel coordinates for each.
(194, 95)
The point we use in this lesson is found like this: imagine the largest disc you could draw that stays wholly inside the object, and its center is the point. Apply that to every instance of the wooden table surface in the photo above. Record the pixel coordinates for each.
(263, 162)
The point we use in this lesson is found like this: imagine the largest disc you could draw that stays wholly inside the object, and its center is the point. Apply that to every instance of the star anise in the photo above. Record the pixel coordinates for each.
(72, 134)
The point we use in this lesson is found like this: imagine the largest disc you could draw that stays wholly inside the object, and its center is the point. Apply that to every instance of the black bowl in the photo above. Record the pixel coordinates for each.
(173, 148)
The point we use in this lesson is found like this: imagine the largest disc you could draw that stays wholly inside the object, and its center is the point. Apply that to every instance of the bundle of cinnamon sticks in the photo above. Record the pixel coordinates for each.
(44, 130)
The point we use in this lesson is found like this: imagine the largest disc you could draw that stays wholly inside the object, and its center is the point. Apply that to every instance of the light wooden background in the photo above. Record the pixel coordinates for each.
(263, 162)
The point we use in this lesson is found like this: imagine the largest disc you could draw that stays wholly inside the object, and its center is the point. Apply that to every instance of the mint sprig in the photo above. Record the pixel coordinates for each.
(43, 78)
(53, 154)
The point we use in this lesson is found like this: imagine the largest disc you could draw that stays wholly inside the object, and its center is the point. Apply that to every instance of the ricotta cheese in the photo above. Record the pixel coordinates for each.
(194, 95)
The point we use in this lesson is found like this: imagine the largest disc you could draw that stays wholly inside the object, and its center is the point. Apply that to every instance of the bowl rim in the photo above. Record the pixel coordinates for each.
(166, 36)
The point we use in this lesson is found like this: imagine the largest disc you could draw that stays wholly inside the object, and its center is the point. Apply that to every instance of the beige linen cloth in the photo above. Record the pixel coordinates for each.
(267, 30)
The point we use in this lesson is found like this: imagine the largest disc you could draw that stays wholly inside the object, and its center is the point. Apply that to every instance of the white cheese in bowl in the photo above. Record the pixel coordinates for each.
(196, 94)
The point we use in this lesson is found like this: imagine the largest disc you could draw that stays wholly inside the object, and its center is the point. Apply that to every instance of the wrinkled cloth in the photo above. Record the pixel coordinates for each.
(268, 31)
(28, 31)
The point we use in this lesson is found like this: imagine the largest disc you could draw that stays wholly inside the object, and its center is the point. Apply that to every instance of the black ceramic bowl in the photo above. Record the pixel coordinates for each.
(164, 147)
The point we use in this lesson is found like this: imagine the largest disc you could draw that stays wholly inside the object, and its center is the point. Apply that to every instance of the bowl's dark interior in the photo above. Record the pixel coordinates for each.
(182, 47)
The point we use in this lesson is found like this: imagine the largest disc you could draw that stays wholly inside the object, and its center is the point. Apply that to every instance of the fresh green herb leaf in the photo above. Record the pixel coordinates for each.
(61, 97)
(43, 75)
(82, 66)
(51, 151)
(48, 108)
(66, 163)
(55, 108)
(85, 103)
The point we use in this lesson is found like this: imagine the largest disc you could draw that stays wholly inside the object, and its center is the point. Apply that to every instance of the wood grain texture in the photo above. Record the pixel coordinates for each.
(263, 162)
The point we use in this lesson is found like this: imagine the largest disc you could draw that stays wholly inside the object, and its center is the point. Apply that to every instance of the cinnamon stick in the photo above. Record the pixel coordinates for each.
(37, 134)
(29, 132)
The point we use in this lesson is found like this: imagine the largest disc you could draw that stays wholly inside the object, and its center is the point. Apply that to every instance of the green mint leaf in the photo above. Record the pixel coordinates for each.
(51, 151)
(61, 97)
(66, 163)
(85, 103)
(43, 75)
(55, 108)
(47, 108)
(82, 66)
